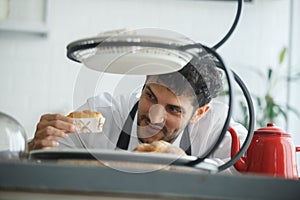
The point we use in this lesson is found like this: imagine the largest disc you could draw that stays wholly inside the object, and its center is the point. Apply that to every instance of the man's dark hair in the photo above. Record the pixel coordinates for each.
(200, 75)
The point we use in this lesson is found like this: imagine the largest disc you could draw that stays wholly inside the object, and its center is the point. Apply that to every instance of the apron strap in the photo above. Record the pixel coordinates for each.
(185, 142)
(124, 138)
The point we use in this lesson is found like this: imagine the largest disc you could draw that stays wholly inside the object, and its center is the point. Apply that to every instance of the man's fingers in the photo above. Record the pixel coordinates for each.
(51, 117)
(45, 143)
(62, 125)
(50, 131)
(58, 124)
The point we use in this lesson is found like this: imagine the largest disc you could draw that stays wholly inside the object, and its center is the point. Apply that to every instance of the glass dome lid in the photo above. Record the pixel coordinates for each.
(12, 137)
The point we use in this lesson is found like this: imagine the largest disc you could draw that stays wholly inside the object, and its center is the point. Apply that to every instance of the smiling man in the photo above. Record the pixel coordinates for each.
(177, 108)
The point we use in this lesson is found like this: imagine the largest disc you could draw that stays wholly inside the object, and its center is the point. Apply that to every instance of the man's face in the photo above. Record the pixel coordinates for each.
(161, 114)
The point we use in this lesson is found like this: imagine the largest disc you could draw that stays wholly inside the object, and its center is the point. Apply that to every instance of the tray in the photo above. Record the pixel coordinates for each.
(120, 156)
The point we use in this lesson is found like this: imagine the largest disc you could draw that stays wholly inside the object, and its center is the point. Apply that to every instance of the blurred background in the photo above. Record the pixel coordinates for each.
(36, 77)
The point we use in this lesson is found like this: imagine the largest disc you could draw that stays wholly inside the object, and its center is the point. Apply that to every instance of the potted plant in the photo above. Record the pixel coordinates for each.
(267, 106)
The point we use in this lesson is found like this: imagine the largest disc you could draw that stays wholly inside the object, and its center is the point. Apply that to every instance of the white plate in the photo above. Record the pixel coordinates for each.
(120, 156)
(110, 155)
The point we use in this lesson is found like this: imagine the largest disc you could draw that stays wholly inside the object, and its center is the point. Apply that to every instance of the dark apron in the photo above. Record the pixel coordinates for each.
(124, 138)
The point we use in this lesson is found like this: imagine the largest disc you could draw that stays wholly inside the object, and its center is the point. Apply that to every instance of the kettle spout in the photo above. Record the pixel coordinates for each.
(241, 164)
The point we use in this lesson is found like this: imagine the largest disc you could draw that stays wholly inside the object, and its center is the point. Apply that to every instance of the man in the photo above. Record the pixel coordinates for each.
(175, 107)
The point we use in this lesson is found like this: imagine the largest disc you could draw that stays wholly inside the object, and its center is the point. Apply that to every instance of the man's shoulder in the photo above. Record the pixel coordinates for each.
(106, 99)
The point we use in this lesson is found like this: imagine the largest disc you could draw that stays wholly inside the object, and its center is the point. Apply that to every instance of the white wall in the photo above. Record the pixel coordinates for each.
(36, 77)
(295, 65)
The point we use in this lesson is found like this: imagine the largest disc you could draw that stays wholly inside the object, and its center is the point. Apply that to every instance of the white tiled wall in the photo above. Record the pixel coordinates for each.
(36, 77)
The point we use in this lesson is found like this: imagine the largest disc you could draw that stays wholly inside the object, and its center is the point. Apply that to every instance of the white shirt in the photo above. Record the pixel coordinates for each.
(203, 133)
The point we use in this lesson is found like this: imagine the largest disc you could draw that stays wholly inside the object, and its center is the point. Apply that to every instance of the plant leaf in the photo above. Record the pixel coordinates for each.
(294, 77)
(270, 71)
(244, 111)
(282, 55)
(294, 110)
(259, 103)
(283, 113)
(224, 93)
(258, 72)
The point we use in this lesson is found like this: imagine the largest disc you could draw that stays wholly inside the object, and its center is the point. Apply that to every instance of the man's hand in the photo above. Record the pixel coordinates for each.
(50, 128)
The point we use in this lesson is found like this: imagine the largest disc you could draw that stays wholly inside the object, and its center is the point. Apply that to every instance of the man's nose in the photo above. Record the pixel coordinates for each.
(157, 114)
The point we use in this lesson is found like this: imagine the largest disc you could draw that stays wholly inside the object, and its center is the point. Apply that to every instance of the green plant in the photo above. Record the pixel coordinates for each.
(268, 109)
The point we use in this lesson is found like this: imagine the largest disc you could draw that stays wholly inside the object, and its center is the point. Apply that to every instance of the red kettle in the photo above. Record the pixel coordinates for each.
(271, 152)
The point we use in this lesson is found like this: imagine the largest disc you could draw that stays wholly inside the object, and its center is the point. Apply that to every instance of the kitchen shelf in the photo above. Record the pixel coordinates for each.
(31, 16)
(32, 180)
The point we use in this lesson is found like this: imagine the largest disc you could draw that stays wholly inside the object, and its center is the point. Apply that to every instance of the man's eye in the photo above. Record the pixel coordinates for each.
(174, 109)
(149, 95)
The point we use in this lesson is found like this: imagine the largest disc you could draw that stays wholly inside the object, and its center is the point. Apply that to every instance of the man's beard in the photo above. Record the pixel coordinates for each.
(156, 128)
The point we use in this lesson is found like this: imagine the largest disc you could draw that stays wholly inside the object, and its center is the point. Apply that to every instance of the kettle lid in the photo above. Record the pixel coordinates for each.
(270, 129)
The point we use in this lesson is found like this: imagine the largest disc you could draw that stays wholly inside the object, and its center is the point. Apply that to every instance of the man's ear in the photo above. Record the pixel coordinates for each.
(199, 113)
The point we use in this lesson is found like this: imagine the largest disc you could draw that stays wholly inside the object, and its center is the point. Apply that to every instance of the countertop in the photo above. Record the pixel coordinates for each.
(33, 180)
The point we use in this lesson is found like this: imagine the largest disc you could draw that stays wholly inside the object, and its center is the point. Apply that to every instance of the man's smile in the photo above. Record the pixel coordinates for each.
(150, 128)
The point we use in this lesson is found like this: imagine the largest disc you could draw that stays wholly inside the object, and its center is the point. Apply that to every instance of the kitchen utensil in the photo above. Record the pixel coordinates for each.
(12, 138)
(271, 152)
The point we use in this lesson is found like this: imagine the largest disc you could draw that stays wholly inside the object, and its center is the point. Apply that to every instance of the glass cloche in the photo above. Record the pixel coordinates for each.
(12, 138)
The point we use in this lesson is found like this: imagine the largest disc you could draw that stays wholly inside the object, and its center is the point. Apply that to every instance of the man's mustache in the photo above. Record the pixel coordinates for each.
(160, 126)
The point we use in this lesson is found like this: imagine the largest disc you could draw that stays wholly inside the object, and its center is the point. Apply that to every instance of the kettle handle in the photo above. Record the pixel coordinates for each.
(297, 150)
(241, 163)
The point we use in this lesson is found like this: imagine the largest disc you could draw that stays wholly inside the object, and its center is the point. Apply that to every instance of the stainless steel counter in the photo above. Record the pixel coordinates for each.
(28, 180)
